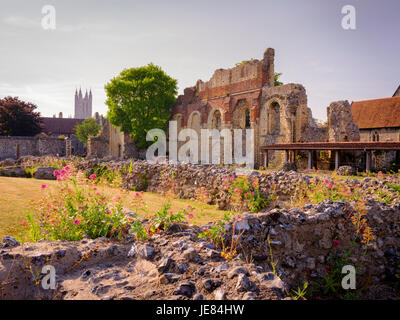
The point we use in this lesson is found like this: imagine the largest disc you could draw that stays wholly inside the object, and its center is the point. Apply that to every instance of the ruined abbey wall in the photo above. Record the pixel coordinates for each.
(245, 97)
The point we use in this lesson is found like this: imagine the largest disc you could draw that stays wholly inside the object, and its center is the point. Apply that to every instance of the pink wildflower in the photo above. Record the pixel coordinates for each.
(77, 222)
(190, 216)
(92, 177)
(336, 243)
(44, 186)
(56, 173)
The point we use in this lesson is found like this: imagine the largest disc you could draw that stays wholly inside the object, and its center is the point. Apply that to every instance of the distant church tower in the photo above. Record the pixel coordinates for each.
(83, 105)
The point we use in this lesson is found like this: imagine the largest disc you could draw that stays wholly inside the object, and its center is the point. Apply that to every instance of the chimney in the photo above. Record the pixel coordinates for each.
(60, 115)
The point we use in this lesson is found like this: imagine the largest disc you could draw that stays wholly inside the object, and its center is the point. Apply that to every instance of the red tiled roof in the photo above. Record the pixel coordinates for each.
(378, 113)
(60, 125)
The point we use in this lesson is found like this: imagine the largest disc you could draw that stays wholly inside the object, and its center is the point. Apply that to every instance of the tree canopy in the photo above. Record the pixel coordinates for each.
(141, 99)
(18, 118)
(89, 128)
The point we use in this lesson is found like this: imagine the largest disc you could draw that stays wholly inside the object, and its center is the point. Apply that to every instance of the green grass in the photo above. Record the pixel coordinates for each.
(17, 196)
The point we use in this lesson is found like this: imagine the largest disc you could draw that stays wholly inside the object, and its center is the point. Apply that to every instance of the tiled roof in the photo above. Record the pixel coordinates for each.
(378, 113)
(60, 125)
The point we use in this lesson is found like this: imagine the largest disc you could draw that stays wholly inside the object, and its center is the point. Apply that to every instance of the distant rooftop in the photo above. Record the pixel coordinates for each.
(60, 125)
(378, 113)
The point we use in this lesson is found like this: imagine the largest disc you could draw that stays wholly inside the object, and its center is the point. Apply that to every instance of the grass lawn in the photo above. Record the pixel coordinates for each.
(17, 195)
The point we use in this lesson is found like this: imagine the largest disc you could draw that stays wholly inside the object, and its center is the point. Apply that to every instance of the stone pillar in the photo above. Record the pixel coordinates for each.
(89, 148)
(309, 159)
(68, 147)
(17, 151)
(265, 155)
(336, 159)
(368, 161)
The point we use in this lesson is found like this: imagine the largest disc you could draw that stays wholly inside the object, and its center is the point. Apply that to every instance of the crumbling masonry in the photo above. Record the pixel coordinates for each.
(245, 97)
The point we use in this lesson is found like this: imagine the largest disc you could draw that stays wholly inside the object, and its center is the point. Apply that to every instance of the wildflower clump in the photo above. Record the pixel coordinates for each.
(165, 217)
(246, 194)
(75, 208)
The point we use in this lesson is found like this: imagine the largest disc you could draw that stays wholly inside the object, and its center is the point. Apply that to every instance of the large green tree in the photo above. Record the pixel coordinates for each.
(140, 99)
(89, 128)
(18, 118)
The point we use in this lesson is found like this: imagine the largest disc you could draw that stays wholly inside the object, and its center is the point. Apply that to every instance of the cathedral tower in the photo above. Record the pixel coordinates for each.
(83, 105)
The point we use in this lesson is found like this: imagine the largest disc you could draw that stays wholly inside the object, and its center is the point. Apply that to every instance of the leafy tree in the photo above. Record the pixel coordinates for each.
(141, 99)
(89, 128)
(18, 118)
(277, 75)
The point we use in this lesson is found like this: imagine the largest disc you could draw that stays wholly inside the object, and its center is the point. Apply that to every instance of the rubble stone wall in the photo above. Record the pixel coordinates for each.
(301, 240)
(31, 146)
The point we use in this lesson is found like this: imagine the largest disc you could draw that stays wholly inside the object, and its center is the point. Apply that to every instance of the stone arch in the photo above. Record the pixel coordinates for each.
(194, 121)
(241, 115)
(274, 118)
(215, 119)
(179, 119)
(270, 117)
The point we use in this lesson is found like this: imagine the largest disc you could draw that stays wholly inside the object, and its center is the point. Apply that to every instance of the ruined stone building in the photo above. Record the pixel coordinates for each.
(112, 142)
(83, 105)
(379, 119)
(245, 97)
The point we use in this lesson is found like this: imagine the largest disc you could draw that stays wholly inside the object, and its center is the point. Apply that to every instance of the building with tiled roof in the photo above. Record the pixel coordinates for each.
(60, 126)
(378, 119)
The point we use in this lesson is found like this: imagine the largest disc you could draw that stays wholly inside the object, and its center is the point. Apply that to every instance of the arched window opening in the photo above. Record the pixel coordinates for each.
(247, 117)
(274, 121)
(216, 120)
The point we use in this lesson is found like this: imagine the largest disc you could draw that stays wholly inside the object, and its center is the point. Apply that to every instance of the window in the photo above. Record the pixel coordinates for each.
(216, 120)
(274, 120)
(247, 117)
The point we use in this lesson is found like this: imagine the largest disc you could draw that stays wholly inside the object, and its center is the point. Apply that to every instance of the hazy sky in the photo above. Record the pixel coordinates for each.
(95, 40)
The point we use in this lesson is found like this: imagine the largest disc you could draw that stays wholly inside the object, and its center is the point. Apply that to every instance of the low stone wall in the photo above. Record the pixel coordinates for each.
(302, 240)
(30, 146)
(188, 181)
(184, 266)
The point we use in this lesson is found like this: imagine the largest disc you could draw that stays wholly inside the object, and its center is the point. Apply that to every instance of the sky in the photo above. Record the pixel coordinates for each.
(95, 40)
